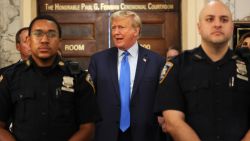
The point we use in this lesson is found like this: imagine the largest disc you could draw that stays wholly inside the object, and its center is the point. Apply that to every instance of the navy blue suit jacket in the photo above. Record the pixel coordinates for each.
(103, 69)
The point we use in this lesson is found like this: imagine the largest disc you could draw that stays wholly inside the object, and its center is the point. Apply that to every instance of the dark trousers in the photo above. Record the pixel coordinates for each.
(125, 136)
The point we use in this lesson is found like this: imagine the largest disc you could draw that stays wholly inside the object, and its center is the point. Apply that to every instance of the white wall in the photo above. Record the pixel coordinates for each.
(190, 15)
(9, 24)
(242, 9)
(190, 12)
(28, 11)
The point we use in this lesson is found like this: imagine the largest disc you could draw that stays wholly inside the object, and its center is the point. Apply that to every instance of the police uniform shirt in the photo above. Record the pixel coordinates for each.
(46, 104)
(2, 70)
(214, 96)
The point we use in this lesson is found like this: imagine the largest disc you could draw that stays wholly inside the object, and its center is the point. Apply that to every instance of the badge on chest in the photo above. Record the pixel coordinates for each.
(241, 70)
(68, 84)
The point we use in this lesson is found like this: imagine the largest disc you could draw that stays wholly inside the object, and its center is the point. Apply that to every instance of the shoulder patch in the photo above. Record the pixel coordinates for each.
(167, 67)
(1, 78)
(90, 81)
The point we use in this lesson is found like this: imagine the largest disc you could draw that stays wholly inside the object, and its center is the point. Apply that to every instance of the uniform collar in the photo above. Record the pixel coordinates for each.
(58, 62)
(199, 55)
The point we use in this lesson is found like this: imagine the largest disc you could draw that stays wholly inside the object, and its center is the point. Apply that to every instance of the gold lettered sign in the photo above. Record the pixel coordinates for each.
(74, 47)
(93, 7)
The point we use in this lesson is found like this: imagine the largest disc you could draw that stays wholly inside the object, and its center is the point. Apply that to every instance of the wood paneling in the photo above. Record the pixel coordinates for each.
(85, 32)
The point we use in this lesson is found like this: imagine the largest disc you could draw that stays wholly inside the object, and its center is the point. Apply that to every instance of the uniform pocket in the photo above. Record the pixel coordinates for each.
(65, 106)
(66, 97)
(241, 97)
(196, 95)
(242, 86)
(20, 99)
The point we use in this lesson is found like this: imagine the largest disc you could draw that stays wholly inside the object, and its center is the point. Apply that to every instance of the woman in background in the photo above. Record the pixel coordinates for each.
(244, 41)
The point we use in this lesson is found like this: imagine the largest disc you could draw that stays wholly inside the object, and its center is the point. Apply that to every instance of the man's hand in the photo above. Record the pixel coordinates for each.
(5, 134)
(162, 123)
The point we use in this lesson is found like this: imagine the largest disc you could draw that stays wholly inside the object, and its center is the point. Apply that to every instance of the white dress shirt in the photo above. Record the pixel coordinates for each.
(132, 58)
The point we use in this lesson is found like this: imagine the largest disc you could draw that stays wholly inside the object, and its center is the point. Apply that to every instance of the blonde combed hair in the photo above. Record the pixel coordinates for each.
(136, 20)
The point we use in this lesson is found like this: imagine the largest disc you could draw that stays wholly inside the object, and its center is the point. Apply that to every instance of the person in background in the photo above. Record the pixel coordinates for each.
(243, 47)
(204, 94)
(21, 45)
(45, 98)
(244, 41)
(171, 53)
(126, 78)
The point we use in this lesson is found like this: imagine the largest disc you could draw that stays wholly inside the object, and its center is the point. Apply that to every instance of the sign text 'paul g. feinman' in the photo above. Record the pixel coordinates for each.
(106, 7)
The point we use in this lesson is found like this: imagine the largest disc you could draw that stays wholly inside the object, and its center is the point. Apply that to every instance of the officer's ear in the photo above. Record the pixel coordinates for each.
(18, 46)
(28, 40)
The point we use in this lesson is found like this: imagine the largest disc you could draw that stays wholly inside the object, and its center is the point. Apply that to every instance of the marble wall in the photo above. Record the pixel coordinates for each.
(10, 23)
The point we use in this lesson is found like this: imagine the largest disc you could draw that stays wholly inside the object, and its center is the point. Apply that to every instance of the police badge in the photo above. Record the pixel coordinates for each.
(241, 70)
(68, 83)
(167, 67)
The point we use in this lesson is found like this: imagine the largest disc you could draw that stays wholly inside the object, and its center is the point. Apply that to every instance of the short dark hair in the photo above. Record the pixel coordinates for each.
(18, 40)
(46, 17)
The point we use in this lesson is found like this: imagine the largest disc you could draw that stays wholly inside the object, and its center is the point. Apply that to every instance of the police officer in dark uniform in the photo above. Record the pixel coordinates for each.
(47, 98)
(205, 93)
(21, 46)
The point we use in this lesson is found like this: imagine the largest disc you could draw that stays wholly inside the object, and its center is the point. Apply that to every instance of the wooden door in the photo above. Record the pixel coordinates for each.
(86, 26)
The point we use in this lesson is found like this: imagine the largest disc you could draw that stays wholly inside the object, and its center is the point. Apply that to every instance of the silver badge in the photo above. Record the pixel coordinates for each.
(241, 70)
(68, 83)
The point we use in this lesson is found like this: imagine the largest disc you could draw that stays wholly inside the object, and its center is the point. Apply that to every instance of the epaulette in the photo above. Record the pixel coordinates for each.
(27, 62)
(188, 52)
(196, 54)
(191, 54)
(61, 63)
(12, 69)
(15, 66)
(1, 78)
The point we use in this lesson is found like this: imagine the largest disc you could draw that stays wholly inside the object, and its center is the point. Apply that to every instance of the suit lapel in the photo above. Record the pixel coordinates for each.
(113, 69)
(141, 65)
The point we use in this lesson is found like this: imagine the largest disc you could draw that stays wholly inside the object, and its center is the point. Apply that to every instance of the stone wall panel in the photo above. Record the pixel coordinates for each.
(10, 23)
